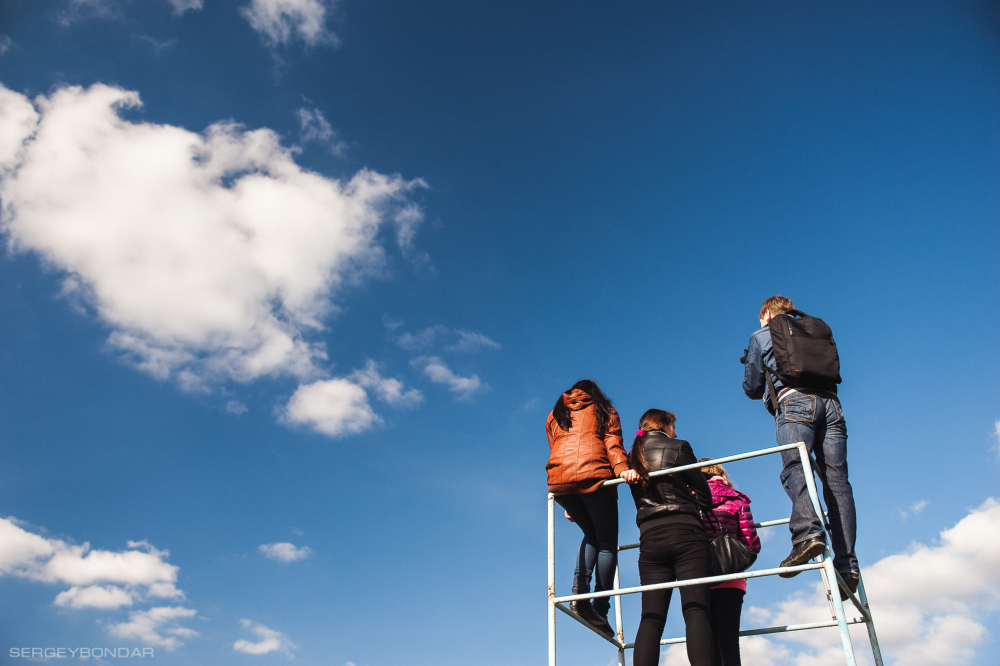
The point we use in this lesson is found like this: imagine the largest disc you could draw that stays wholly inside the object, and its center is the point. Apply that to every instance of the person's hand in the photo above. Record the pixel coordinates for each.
(569, 517)
(630, 476)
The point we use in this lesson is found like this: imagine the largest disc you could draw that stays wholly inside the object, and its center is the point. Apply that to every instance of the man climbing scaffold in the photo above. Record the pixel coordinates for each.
(799, 351)
(824, 565)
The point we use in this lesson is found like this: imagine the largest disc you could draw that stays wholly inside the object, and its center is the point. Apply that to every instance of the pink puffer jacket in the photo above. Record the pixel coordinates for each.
(732, 509)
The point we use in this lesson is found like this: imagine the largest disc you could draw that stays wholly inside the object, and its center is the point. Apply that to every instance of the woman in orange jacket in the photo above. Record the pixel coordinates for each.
(585, 450)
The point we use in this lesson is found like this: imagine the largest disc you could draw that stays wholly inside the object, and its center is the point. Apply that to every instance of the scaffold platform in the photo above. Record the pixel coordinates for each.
(823, 564)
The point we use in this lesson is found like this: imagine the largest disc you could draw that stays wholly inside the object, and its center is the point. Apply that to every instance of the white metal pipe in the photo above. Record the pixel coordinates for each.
(870, 625)
(838, 605)
(767, 630)
(766, 523)
(709, 463)
(619, 628)
(711, 580)
(552, 580)
(587, 624)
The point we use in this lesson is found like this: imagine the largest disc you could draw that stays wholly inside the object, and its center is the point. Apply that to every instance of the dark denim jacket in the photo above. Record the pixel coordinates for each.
(759, 352)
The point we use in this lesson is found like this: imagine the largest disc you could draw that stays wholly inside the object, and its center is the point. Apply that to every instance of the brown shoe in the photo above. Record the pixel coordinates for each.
(801, 553)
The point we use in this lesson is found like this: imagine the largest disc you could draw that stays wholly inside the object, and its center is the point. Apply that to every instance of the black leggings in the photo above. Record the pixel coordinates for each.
(669, 553)
(727, 604)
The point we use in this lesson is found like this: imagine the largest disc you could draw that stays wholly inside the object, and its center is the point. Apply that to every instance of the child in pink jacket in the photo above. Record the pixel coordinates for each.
(732, 516)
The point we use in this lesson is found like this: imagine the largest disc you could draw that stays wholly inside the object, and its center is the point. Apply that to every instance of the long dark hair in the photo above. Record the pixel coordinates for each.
(652, 420)
(602, 406)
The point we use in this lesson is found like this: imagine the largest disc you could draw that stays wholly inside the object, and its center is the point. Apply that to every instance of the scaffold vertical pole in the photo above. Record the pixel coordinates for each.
(870, 624)
(831, 573)
(619, 628)
(552, 580)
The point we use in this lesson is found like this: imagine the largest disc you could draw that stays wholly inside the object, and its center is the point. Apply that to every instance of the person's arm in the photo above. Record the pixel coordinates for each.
(550, 429)
(753, 371)
(613, 444)
(749, 531)
(695, 479)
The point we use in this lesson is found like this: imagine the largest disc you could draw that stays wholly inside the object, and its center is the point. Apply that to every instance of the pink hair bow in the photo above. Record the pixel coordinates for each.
(640, 433)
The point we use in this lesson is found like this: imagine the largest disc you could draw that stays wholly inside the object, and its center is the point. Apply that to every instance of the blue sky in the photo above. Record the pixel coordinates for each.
(288, 296)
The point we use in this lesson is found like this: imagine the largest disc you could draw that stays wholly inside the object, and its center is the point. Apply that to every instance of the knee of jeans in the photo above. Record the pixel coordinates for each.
(793, 469)
(655, 619)
(694, 607)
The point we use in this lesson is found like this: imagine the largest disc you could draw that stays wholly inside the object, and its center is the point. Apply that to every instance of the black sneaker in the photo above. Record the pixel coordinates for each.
(585, 611)
(801, 553)
(851, 578)
(605, 628)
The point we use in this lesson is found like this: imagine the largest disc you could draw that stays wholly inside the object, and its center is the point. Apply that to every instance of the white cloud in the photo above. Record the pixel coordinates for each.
(236, 407)
(928, 601)
(334, 407)
(423, 340)
(101, 579)
(913, 509)
(81, 10)
(94, 596)
(284, 552)
(211, 257)
(753, 650)
(439, 373)
(5, 43)
(339, 406)
(149, 626)
(282, 21)
(181, 6)
(127, 576)
(387, 389)
(996, 433)
(470, 341)
(270, 640)
(315, 127)
(158, 45)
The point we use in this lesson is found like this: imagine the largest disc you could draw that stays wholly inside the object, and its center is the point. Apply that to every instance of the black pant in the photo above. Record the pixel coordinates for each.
(666, 554)
(596, 514)
(727, 604)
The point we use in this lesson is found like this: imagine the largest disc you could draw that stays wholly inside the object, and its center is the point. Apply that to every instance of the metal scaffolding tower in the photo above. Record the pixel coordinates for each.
(824, 565)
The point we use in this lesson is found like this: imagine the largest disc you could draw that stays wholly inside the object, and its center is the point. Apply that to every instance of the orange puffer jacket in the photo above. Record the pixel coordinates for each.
(580, 460)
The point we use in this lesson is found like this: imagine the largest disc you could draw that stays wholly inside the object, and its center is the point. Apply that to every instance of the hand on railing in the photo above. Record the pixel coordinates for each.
(630, 476)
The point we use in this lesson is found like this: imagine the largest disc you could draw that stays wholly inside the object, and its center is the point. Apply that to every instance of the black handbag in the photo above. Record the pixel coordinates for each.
(729, 554)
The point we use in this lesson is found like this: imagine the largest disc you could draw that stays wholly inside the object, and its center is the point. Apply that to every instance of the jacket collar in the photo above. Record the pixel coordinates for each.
(577, 399)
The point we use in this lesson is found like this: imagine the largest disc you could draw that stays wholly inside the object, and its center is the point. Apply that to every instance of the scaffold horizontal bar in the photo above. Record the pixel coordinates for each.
(587, 624)
(711, 580)
(769, 630)
(716, 461)
(766, 523)
(708, 463)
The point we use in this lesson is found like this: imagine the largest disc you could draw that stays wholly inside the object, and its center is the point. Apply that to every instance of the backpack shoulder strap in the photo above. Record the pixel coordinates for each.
(773, 407)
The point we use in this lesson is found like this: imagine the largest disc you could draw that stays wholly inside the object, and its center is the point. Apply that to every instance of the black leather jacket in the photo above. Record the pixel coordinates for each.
(670, 493)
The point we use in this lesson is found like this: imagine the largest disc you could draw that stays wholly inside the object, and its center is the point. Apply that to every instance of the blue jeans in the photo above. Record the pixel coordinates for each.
(816, 418)
(596, 514)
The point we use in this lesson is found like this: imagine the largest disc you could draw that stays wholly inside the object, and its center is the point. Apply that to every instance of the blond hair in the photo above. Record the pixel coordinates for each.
(776, 305)
(716, 470)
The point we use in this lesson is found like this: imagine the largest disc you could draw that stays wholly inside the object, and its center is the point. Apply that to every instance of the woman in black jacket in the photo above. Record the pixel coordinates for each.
(672, 540)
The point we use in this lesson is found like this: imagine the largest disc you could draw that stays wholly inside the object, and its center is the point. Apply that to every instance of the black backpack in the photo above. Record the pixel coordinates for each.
(804, 353)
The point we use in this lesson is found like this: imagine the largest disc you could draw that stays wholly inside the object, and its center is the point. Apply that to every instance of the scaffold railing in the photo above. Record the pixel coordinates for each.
(823, 564)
